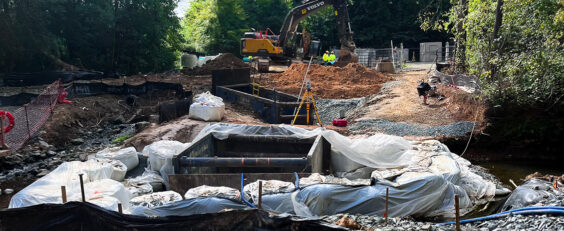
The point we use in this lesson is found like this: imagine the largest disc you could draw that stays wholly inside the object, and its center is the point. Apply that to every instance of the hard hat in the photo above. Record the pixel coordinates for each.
(326, 51)
(332, 52)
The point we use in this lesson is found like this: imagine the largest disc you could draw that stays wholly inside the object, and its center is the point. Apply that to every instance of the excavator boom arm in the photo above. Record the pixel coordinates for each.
(299, 13)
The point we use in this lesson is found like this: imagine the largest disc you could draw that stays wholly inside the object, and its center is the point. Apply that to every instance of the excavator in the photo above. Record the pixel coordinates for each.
(290, 44)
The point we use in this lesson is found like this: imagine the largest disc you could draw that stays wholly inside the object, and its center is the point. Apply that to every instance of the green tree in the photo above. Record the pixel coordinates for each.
(214, 26)
(527, 51)
(123, 36)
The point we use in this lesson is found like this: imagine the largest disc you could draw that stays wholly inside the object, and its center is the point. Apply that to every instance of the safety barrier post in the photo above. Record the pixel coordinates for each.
(260, 195)
(82, 187)
(64, 194)
(27, 122)
(2, 131)
(457, 212)
(386, 212)
(120, 210)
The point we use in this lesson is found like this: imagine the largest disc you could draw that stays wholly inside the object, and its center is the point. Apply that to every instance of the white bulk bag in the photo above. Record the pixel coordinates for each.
(207, 107)
(128, 156)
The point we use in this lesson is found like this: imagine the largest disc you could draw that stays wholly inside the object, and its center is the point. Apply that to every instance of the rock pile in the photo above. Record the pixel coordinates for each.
(515, 222)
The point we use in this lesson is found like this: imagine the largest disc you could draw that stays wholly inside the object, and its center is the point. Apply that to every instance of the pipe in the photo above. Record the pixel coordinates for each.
(243, 194)
(557, 210)
(297, 180)
(242, 162)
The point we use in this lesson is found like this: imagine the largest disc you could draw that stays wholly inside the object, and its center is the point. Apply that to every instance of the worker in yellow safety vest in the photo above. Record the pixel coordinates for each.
(326, 58)
(332, 58)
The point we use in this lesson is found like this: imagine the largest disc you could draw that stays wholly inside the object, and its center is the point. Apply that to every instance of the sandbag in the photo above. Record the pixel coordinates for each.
(155, 199)
(138, 188)
(118, 168)
(268, 187)
(316, 178)
(148, 177)
(213, 191)
(160, 155)
(207, 107)
(128, 156)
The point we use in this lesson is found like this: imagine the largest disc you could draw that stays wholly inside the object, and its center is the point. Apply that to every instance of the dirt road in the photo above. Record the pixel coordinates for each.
(398, 101)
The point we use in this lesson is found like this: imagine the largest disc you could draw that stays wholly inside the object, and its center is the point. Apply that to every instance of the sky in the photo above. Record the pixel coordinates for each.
(183, 5)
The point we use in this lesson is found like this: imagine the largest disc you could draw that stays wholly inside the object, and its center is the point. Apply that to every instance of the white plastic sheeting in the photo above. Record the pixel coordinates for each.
(160, 155)
(107, 188)
(203, 205)
(207, 107)
(127, 156)
(213, 191)
(423, 177)
(48, 188)
(530, 193)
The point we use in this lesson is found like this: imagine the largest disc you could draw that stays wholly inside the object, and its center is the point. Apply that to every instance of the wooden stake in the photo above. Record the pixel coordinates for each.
(457, 212)
(120, 210)
(82, 187)
(260, 195)
(2, 132)
(64, 194)
(386, 212)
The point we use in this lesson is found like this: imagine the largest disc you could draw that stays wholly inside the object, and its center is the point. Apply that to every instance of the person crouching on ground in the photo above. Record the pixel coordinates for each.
(422, 90)
(326, 58)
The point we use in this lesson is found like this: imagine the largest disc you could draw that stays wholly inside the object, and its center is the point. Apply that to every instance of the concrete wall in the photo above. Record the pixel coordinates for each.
(428, 51)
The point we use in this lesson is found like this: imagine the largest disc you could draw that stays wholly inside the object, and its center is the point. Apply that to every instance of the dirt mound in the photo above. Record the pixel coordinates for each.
(464, 106)
(351, 81)
(223, 61)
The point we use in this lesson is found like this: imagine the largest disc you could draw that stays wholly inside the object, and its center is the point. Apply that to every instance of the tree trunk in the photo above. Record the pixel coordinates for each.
(495, 45)
(461, 37)
(498, 18)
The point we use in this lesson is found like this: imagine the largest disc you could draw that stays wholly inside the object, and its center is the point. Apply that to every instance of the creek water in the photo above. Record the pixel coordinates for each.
(518, 170)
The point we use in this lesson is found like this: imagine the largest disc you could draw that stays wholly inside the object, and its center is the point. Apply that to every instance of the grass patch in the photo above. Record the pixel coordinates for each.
(121, 139)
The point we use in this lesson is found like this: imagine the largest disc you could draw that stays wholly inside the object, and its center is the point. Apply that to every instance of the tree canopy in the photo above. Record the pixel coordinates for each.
(214, 26)
(521, 60)
(114, 36)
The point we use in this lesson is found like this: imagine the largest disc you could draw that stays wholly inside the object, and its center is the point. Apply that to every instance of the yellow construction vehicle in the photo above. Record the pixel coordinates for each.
(290, 44)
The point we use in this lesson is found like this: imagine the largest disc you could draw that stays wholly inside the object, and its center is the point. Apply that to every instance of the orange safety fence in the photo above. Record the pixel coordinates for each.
(32, 116)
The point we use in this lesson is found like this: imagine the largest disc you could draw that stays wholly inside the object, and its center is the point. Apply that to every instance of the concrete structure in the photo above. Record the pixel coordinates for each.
(428, 51)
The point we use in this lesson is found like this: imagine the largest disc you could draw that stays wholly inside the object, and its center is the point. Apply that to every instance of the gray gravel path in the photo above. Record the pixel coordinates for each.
(457, 129)
(329, 109)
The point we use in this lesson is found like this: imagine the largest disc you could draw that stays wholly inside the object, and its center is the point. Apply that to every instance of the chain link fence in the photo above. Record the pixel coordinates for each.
(370, 57)
(31, 117)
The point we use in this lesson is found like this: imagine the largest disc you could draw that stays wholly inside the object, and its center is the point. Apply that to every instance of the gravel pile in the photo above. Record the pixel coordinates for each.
(515, 222)
(456, 129)
(329, 109)
(359, 222)
(512, 222)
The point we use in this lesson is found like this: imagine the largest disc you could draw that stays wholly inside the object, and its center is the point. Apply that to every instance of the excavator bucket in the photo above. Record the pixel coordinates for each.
(346, 57)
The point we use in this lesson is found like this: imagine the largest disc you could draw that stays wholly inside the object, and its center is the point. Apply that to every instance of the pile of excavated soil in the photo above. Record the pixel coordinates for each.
(223, 61)
(351, 81)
